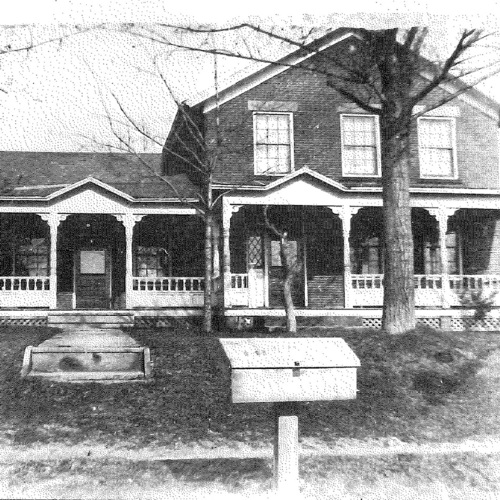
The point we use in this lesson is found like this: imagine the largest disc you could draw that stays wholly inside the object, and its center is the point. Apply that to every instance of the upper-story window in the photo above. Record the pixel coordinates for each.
(273, 136)
(360, 145)
(437, 153)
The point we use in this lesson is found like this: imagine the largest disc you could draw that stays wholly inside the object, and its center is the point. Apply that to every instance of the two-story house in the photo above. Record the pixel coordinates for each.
(291, 143)
(98, 231)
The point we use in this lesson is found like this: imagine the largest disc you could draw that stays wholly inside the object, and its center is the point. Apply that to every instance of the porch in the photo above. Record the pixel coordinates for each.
(90, 261)
(456, 257)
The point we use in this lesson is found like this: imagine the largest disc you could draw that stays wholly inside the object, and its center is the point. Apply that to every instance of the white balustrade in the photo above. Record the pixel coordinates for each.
(238, 293)
(487, 284)
(367, 289)
(28, 291)
(148, 284)
(167, 292)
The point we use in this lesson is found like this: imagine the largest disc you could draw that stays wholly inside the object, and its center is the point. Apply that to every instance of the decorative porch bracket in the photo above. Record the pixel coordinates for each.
(227, 212)
(128, 221)
(53, 219)
(442, 215)
(345, 214)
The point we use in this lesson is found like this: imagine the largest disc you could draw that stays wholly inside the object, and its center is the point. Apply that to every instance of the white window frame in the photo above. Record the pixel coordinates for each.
(377, 145)
(290, 117)
(453, 122)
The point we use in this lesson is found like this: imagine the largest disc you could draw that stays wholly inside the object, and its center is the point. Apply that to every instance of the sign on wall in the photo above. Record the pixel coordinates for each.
(93, 262)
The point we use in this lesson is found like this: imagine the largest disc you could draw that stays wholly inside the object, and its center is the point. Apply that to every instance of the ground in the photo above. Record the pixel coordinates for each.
(424, 424)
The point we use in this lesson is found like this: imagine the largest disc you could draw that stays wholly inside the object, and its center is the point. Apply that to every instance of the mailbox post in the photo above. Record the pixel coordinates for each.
(284, 371)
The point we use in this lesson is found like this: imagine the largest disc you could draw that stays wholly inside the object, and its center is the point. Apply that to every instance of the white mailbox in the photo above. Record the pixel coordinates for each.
(291, 369)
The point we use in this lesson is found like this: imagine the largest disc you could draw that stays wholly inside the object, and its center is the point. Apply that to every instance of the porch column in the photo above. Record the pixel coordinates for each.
(53, 219)
(345, 214)
(128, 221)
(227, 212)
(442, 215)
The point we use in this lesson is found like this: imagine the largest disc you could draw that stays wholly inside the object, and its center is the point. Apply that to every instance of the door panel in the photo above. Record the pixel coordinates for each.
(93, 279)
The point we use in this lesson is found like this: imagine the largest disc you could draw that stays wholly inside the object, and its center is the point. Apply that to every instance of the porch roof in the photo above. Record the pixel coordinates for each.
(42, 174)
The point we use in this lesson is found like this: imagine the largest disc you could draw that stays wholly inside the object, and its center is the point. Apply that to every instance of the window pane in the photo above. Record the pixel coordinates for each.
(360, 160)
(436, 162)
(360, 145)
(436, 147)
(435, 133)
(272, 144)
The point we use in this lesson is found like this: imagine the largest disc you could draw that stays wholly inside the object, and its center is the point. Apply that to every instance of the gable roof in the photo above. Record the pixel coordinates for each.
(47, 174)
(207, 100)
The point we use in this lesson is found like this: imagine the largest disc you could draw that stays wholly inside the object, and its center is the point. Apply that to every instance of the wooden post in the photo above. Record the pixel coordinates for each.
(345, 214)
(128, 221)
(442, 215)
(286, 450)
(227, 211)
(53, 220)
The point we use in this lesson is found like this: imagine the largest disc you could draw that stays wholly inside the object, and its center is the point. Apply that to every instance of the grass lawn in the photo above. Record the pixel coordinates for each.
(459, 477)
(416, 387)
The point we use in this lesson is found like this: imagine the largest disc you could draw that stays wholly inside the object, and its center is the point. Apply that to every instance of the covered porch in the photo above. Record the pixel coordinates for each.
(338, 241)
(91, 249)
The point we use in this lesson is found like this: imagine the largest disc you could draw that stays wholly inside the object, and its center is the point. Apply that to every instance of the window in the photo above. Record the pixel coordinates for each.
(273, 143)
(152, 262)
(254, 251)
(436, 140)
(366, 257)
(30, 259)
(360, 145)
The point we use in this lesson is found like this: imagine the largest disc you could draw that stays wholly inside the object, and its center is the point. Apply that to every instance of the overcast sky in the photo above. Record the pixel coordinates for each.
(57, 97)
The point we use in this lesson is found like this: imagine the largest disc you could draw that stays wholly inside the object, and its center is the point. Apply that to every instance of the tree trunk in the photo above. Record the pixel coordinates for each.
(399, 289)
(290, 269)
(207, 297)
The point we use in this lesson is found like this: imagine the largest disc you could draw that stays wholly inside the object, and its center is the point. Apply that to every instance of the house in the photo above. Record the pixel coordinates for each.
(87, 232)
(99, 231)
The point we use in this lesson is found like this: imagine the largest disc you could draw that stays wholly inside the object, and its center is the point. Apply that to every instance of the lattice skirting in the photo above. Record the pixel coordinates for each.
(377, 322)
(457, 324)
(487, 324)
(23, 321)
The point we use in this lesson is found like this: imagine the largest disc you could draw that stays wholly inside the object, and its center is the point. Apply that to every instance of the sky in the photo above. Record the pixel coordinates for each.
(67, 96)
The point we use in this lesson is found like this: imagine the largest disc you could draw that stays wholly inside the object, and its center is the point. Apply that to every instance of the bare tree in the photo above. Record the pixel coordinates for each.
(385, 74)
(188, 146)
(24, 40)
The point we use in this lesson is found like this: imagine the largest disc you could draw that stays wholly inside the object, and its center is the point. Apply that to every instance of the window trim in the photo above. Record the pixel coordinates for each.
(292, 159)
(377, 145)
(453, 121)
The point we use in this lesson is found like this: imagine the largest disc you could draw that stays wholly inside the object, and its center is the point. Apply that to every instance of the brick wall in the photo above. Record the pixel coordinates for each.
(317, 133)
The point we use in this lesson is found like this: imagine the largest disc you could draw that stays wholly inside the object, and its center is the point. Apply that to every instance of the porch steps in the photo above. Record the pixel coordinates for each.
(98, 319)
(87, 354)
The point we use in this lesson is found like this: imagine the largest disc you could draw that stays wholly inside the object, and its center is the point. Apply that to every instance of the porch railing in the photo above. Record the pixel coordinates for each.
(175, 291)
(367, 289)
(29, 283)
(25, 291)
(168, 284)
(238, 295)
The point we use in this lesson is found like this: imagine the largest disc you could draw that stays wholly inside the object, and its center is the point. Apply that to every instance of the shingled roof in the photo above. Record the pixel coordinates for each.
(26, 174)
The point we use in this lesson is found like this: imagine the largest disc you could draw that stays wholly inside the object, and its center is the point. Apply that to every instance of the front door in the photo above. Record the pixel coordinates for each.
(93, 279)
